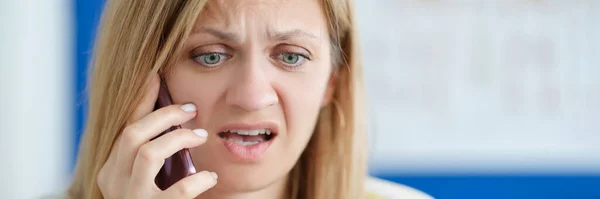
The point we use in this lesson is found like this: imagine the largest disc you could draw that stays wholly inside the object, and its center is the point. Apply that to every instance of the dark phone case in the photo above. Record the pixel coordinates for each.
(179, 165)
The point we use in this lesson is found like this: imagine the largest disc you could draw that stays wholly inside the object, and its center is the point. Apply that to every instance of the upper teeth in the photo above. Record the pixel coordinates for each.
(251, 132)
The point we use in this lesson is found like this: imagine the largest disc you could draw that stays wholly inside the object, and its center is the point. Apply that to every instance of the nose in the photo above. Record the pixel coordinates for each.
(251, 89)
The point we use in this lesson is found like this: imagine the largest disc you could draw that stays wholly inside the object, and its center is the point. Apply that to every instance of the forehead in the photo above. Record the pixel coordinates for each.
(270, 15)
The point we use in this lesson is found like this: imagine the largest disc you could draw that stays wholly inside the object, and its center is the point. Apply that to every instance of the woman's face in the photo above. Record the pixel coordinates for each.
(254, 67)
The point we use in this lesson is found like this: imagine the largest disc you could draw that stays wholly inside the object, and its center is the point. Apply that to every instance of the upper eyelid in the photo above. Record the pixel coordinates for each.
(214, 48)
(193, 55)
(228, 56)
(279, 55)
(304, 52)
(229, 52)
(293, 46)
(226, 48)
(300, 54)
(208, 53)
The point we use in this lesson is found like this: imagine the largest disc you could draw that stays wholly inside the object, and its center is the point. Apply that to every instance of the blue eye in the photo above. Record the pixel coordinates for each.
(211, 59)
(291, 59)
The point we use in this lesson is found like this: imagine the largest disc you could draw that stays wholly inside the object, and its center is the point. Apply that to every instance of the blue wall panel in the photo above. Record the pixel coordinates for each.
(87, 15)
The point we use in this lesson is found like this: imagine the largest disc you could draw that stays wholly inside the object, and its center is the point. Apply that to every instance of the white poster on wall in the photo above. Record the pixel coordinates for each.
(482, 86)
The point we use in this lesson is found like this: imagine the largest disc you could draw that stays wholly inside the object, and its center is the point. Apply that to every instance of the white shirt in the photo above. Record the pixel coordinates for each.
(382, 189)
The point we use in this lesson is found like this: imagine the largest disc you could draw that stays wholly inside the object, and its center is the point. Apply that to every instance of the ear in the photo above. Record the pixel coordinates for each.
(329, 90)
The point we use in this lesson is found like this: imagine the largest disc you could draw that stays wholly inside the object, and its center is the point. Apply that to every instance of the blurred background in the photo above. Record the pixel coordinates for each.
(468, 98)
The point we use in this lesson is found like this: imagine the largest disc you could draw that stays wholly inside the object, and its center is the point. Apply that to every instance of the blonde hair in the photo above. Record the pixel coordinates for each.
(139, 38)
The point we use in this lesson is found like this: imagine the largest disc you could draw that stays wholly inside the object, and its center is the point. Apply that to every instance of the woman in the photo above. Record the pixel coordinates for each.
(269, 95)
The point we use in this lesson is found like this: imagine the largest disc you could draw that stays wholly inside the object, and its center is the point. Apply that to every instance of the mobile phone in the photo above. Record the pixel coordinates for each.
(179, 165)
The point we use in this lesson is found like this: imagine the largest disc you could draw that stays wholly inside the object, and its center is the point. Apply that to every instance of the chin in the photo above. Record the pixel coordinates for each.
(240, 175)
(249, 178)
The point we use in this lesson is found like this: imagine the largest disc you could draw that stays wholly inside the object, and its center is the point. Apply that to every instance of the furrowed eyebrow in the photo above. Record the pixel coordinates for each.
(226, 36)
(287, 35)
(274, 35)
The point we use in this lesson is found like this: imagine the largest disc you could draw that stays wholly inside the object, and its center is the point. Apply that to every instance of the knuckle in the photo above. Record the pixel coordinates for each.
(129, 134)
(146, 153)
(105, 187)
(101, 178)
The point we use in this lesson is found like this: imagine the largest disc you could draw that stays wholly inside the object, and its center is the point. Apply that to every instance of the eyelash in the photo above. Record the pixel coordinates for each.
(302, 59)
(278, 57)
(222, 58)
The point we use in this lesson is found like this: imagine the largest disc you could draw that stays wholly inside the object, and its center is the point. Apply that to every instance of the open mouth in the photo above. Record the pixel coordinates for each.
(247, 137)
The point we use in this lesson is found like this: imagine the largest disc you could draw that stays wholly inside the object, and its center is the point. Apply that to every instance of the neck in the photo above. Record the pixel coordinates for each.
(276, 190)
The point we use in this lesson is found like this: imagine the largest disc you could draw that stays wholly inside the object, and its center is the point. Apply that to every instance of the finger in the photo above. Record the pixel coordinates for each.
(147, 104)
(151, 156)
(140, 132)
(191, 186)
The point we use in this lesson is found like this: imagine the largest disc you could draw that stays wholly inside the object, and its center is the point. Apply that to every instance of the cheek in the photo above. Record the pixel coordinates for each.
(187, 86)
(301, 96)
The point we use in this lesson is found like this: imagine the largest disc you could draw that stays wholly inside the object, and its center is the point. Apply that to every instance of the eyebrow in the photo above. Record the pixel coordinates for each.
(227, 36)
(274, 35)
(287, 35)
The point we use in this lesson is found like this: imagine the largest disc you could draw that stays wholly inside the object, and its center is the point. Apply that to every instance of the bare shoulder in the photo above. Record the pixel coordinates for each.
(383, 189)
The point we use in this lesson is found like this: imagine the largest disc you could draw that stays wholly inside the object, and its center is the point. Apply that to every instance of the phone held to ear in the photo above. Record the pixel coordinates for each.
(179, 165)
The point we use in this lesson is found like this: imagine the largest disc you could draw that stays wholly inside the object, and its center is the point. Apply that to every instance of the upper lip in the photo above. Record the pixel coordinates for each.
(271, 126)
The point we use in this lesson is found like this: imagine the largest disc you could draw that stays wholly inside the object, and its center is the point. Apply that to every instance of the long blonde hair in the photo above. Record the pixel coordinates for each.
(139, 38)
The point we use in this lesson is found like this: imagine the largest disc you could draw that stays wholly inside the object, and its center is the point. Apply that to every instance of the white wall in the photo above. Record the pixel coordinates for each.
(483, 86)
(35, 97)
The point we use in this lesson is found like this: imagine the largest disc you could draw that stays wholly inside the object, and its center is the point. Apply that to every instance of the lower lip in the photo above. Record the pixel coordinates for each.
(247, 153)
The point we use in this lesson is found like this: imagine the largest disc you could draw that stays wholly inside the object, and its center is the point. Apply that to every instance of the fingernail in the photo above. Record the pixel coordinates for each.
(201, 132)
(214, 175)
(188, 107)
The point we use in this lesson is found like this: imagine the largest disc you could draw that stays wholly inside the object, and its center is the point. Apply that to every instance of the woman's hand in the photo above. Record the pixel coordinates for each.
(134, 160)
